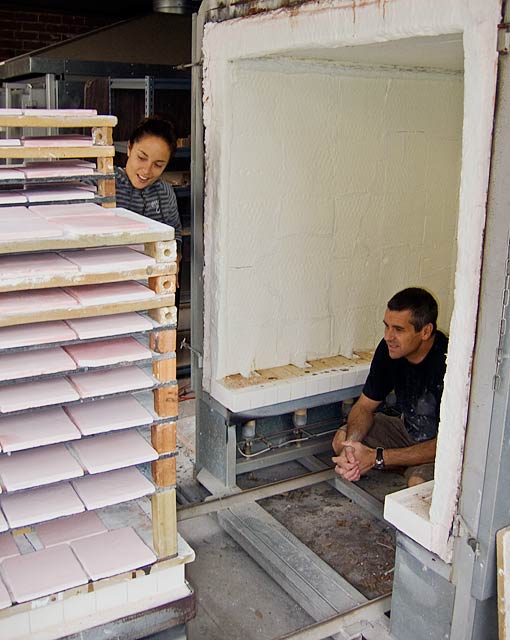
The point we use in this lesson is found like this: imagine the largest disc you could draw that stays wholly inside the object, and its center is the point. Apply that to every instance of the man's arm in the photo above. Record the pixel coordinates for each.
(411, 456)
(359, 422)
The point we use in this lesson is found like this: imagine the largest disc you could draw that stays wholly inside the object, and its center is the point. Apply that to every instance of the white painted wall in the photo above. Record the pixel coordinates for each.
(343, 189)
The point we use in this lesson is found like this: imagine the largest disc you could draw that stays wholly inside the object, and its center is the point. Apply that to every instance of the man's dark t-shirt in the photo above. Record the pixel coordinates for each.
(418, 387)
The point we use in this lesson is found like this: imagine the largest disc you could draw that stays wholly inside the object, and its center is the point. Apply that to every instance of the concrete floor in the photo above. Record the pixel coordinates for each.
(236, 599)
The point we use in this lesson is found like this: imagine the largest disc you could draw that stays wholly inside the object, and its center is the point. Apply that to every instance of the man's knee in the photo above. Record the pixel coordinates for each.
(413, 481)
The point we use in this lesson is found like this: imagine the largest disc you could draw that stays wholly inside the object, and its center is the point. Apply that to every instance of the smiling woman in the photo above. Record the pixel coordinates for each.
(139, 187)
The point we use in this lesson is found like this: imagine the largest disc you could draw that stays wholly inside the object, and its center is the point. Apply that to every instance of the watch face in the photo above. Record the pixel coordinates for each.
(379, 460)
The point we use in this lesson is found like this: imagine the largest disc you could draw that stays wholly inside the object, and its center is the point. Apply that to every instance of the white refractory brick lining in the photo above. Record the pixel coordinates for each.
(332, 180)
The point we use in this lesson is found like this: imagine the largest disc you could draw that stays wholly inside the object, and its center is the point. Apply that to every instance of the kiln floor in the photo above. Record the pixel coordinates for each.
(236, 599)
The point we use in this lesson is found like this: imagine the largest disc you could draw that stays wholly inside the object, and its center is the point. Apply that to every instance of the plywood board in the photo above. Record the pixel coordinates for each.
(112, 487)
(99, 383)
(110, 414)
(111, 553)
(42, 573)
(104, 352)
(37, 467)
(65, 530)
(36, 429)
(27, 395)
(26, 364)
(102, 326)
(38, 505)
(35, 333)
(503, 565)
(113, 451)
(58, 120)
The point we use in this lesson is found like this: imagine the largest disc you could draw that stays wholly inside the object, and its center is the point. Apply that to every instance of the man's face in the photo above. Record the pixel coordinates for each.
(147, 160)
(402, 338)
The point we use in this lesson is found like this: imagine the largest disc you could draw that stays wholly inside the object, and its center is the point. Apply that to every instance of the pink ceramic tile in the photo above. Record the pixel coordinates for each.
(17, 213)
(57, 192)
(36, 429)
(111, 292)
(28, 264)
(100, 490)
(113, 451)
(38, 467)
(116, 258)
(81, 525)
(3, 523)
(62, 168)
(25, 364)
(10, 173)
(50, 211)
(5, 598)
(110, 414)
(64, 140)
(98, 383)
(25, 335)
(26, 395)
(42, 573)
(8, 548)
(102, 326)
(38, 505)
(110, 223)
(59, 112)
(28, 230)
(12, 197)
(113, 552)
(12, 302)
(103, 352)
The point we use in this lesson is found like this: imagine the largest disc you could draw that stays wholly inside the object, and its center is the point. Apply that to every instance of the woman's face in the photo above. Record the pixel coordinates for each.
(147, 159)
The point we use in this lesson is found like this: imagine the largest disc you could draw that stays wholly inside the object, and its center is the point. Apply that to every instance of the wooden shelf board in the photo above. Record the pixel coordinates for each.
(57, 121)
(155, 302)
(77, 278)
(93, 151)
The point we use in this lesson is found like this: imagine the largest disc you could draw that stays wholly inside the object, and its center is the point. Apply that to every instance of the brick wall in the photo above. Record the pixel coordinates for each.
(25, 31)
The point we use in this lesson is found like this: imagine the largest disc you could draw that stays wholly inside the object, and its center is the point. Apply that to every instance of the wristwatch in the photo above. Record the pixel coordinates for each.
(379, 460)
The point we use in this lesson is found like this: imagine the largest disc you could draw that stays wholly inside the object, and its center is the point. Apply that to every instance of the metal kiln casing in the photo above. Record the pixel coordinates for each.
(436, 42)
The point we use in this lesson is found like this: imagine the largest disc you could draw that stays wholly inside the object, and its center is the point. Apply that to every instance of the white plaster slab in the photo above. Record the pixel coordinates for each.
(117, 258)
(112, 553)
(9, 173)
(36, 429)
(111, 292)
(37, 467)
(57, 192)
(12, 302)
(19, 230)
(409, 511)
(110, 414)
(64, 140)
(49, 211)
(101, 326)
(11, 112)
(12, 197)
(42, 573)
(102, 489)
(38, 505)
(62, 168)
(25, 364)
(65, 530)
(5, 598)
(113, 451)
(27, 395)
(99, 383)
(8, 547)
(103, 352)
(25, 335)
(110, 223)
(28, 264)
(10, 142)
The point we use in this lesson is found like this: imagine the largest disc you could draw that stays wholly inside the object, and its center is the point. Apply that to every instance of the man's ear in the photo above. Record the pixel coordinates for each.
(128, 149)
(427, 331)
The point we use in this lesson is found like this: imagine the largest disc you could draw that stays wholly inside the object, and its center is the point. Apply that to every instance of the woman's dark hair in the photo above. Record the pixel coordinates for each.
(420, 303)
(154, 126)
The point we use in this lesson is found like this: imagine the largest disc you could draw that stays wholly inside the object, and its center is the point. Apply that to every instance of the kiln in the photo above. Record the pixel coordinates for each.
(346, 155)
